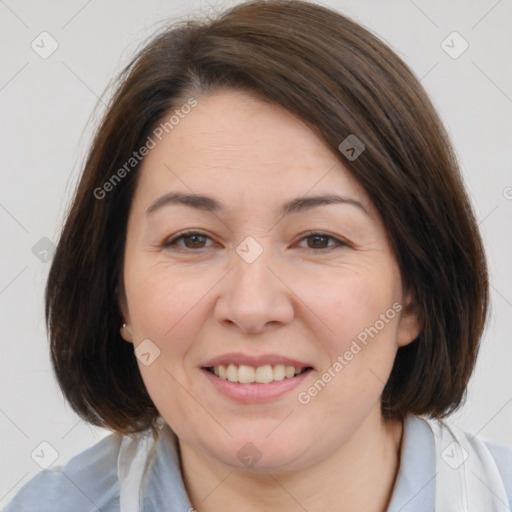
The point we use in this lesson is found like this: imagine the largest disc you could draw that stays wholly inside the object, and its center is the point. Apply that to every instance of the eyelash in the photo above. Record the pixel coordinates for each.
(173, 242)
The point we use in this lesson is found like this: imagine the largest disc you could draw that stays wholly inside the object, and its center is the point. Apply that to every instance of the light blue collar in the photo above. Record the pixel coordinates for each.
(415, 484)
(414, 488)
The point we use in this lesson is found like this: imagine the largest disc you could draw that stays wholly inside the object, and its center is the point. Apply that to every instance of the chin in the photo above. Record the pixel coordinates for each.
(265, 446)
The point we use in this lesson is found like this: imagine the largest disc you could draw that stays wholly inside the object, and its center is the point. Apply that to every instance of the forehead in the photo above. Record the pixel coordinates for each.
(235, 146)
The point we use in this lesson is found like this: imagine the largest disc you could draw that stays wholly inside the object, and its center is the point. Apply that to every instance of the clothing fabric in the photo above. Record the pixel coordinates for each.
(442, 469)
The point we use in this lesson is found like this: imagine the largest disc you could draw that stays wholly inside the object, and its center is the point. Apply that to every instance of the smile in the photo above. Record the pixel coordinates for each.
(245, 374)
(254, 392)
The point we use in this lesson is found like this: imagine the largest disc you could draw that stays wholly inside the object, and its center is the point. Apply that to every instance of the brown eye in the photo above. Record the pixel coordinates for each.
(322, 241)
(194, 241)
(318, 241)
(190, 241)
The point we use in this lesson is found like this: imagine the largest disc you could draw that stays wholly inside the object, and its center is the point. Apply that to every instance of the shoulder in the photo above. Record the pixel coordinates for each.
(488, 462)
(87, 482)
(502, 456)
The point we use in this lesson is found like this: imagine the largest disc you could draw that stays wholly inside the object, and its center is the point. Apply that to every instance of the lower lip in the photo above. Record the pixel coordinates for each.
(254, 393)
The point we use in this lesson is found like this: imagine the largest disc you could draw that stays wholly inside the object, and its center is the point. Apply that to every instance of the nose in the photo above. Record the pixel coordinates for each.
(254, 296)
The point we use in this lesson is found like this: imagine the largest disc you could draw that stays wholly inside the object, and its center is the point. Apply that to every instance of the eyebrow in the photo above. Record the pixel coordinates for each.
(202, 202)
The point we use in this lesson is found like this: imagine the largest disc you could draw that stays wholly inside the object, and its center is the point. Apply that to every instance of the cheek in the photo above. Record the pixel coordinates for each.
(167, 308)
(359, 320)
(350, 301)
(161, 297)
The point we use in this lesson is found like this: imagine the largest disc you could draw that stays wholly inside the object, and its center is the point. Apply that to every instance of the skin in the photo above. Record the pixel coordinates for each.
(297, 299)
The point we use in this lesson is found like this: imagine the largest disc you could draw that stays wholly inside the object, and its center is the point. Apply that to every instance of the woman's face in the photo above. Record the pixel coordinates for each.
(268, 278)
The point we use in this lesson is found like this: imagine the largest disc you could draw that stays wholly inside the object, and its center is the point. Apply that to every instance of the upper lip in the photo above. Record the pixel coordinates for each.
(261, 360)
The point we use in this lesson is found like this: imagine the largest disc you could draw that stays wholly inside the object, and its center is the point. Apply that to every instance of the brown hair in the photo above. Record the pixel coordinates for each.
(339, 79)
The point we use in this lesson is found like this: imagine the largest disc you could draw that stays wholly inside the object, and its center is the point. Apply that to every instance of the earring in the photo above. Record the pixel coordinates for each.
(126, 332)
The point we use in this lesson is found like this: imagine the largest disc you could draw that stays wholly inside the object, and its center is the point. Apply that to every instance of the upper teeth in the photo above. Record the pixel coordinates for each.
(262, 374)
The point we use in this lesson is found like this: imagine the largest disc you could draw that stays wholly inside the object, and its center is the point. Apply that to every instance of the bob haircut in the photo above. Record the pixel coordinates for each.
(340, 80)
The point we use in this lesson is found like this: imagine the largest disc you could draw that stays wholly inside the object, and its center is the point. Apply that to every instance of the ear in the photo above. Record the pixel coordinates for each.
(410, 324)
(125, 330)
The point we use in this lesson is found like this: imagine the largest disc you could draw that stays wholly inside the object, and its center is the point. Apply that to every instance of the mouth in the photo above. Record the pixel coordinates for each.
(265, 374)
(252, 379)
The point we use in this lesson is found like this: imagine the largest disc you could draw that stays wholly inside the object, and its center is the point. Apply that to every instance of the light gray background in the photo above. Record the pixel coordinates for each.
(46, 123)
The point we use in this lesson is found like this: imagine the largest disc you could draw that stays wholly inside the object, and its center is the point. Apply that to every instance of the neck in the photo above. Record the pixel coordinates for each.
(358, 476)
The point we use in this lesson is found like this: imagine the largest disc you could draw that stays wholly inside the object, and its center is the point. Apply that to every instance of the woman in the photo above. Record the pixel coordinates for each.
(270, 285)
